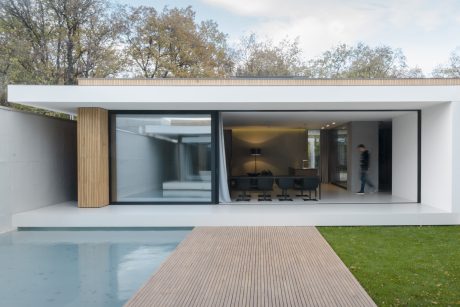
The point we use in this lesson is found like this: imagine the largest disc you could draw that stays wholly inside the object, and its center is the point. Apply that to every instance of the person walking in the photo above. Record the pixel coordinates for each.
(364, 168)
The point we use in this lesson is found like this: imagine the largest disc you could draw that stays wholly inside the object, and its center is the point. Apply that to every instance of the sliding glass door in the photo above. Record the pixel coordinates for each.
(162, 158)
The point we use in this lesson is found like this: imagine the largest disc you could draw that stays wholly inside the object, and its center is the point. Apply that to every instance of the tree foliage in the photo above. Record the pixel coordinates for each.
(57, 41)
(451, 69)
(263, 58)
(172, 44)
(362, 61)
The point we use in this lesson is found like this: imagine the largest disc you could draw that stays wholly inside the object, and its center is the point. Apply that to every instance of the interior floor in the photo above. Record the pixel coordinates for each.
(158, 196)
(330, 193)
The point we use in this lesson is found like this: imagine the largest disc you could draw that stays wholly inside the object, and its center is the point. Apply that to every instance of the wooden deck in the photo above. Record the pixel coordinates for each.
(252, 266)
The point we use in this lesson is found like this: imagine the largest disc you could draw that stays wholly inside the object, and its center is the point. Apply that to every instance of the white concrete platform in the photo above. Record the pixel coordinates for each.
(294, 214)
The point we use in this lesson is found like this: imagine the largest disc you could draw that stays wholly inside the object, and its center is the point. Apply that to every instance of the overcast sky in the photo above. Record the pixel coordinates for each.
(426, 30)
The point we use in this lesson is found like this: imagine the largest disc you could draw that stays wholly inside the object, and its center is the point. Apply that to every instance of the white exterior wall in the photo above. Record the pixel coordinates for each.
(405, 156)
(437, 156)
(455, 108)
(440, 118)
(38, 165)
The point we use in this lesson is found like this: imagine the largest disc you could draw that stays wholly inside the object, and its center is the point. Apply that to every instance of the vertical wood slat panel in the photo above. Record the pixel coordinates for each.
(93, 157)
(270, 82)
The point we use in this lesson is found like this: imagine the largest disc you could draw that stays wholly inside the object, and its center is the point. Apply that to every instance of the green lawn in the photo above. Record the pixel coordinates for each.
(410, 266)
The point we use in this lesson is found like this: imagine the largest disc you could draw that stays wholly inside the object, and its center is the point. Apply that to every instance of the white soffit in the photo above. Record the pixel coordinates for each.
(305, 120)
(69, 98)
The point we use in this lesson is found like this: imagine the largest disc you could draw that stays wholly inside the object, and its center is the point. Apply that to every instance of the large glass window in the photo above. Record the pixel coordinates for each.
(161, 158)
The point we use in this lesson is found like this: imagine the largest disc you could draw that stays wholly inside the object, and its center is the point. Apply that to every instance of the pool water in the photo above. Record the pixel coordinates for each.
(80, 268)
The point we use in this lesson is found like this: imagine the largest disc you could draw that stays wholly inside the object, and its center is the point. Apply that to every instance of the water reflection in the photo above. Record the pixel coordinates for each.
(135, 264)
(79, 268)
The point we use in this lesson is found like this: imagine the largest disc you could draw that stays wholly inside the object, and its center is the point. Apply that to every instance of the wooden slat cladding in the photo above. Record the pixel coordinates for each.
(252, 266)
(270, 82)
(93, 157)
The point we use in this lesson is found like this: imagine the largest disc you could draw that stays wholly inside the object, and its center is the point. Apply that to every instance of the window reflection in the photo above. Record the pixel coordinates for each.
(161, 158)
(340, 144)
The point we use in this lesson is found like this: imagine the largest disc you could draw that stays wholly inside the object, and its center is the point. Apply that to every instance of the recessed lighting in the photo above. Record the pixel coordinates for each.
(327, 125)
(333, 123)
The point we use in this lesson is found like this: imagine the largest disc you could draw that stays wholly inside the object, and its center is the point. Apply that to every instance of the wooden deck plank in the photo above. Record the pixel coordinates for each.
(252, 266)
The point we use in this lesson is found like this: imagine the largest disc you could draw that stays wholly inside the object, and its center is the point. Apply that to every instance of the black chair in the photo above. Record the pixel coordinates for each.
(309, 184)
(265, 185)
(285, 184)
(243, 185)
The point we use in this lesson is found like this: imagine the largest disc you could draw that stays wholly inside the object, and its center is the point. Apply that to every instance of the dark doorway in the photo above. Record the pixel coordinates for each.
(385, 156)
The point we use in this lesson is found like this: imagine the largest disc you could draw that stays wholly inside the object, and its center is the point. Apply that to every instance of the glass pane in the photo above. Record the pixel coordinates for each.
(313, 148)
(161, 158)
(341, 163)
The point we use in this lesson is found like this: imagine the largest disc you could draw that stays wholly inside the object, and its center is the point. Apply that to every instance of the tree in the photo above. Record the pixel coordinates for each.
(57, 41)
(451, 69)
(28, 33)
(98, 47)
(172, 44)
(6, 59)
(258, 58)
(89, 37)
(362, 61)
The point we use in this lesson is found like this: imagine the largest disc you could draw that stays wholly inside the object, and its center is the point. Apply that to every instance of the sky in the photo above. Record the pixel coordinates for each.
(426, 30)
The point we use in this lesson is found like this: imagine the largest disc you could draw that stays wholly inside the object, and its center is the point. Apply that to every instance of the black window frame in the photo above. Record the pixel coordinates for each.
(214, 155)
(419, 136)
(215, 118)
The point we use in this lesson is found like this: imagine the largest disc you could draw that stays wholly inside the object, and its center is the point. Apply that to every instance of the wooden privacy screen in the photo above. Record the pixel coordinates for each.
(93, 158)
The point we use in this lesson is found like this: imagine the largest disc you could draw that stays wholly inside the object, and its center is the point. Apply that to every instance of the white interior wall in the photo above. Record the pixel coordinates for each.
(437, 156)
(281, 149)
(141, 163)
(405, 156)
(38, 164)
(366, 133)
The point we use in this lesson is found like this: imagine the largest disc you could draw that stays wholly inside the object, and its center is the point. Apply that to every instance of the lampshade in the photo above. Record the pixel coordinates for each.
(255, 151)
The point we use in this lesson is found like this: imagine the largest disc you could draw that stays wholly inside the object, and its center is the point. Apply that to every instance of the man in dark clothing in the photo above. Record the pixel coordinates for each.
(364, 165)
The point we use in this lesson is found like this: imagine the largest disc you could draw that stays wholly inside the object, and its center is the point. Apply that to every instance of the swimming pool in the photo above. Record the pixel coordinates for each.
(80, 267)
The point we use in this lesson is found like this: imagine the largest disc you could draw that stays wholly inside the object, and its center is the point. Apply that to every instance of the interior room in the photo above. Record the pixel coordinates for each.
(313, 157)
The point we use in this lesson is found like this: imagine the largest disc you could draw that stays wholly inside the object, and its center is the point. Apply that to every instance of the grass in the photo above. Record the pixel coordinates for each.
(402, 266)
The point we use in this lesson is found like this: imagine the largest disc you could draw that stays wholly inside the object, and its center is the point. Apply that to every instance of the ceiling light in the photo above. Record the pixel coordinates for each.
(327, 125)
(333, 123)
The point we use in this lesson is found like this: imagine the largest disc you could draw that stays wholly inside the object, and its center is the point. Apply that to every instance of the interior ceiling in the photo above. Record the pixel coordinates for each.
(305, 120)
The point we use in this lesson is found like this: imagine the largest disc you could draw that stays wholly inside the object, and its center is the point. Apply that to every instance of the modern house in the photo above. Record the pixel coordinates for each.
(187, 152)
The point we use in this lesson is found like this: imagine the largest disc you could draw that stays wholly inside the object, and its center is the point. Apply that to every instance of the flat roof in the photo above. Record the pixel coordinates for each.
(239, 94)
(267, 82)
